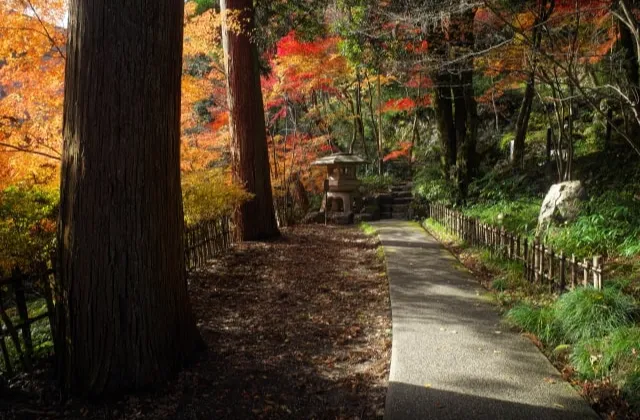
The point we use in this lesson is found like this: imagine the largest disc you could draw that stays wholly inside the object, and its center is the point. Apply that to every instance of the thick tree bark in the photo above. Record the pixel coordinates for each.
(124, 318)
(255, 219)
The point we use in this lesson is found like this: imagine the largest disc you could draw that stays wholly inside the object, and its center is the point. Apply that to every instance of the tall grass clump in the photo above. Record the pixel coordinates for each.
(614, 355)
(587, 313)
(539, 321)
(631, 389)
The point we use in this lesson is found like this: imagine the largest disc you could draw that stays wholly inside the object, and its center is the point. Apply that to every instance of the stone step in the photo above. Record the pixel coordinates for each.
(403, 200)
(398, 189)
(386, 208)
(400, 208)
(399, 216)
(402, 194)
(385, 198)
(386, 215)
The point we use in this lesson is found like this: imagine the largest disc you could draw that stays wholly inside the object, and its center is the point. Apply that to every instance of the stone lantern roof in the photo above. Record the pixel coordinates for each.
(340, 159)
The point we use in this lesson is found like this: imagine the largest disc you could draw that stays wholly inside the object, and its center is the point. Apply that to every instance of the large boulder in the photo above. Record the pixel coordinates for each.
(562, 204)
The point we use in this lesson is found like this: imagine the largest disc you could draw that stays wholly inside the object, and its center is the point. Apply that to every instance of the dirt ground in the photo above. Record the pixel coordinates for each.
(297, 328)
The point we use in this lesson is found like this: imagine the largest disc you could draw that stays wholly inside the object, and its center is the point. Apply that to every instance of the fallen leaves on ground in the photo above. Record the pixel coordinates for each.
(298, 327)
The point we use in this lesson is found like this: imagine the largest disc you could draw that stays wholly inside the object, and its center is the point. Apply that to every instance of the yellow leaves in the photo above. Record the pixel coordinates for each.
(236, 21)
(201, 33)
(210, 194)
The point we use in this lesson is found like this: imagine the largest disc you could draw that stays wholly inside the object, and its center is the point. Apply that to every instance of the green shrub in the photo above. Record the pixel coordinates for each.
(607, 224)
(372, 184)
(27, 226)
(519, 216)
(587, 313)
(500, 284)
(209, 195)
(539, 321)
(616, 356)
(429, 184)
(587, 357)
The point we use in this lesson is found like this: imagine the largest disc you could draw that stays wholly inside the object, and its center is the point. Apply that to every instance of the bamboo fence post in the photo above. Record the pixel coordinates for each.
(597, 278)
(552, 256)
(542, 258)
(536, 263)
(48, 297)
(5, 354)
(511, 246)
(23, 312)
(526, 259)
(563, 280)
(574, 279)
(585, 273)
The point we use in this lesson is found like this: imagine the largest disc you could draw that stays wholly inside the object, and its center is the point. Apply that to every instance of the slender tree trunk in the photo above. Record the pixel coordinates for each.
(444, 116)
(470, 143)
(380, 138)
(255, 219)
(124, 318)
(632, 70)
(359, 120)
(522, 122)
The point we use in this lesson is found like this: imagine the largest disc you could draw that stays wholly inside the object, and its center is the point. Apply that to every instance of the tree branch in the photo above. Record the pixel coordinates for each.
(46, 31)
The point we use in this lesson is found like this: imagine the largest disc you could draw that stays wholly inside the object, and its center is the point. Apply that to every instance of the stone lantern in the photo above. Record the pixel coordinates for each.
(342, 181)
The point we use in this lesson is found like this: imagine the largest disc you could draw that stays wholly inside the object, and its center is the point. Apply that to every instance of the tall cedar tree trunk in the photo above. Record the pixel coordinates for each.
(255, 219)
(124, 317)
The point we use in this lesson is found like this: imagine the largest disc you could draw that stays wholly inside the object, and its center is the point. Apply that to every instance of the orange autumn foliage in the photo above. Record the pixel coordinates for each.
(31, 89)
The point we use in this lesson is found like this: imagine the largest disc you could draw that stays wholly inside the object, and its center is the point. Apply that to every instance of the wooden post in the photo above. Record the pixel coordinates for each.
(511, 247)
(518, 254)
(5, 354)
(549, 136)
(597, 277)
(536, 261)
(552, 257)
(48, 297)
(585, 273)
(563, 281)
(526, 258)
(23, 312)
(543, 255)
(574, 280)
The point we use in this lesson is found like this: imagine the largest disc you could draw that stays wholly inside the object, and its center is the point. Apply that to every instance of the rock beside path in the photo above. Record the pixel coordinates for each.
(562, 204)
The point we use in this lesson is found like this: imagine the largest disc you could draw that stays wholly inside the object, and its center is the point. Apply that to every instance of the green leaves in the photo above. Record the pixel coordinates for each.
(27, 225)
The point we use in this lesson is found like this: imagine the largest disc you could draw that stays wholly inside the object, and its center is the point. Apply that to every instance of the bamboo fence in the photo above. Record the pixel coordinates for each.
(202, 242)
(542, 264)
(206, 240)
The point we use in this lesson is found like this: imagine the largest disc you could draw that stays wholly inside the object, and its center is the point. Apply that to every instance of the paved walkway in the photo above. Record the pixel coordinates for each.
(451, 357)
